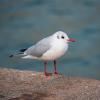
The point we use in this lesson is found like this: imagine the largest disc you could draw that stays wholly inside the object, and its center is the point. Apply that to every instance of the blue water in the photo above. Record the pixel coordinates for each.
(24, 22)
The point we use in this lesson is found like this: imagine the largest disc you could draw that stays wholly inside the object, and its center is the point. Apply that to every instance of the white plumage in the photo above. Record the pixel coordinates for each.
(49, 48)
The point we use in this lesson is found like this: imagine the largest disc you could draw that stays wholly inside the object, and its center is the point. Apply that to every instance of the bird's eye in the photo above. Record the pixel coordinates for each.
(62, 37)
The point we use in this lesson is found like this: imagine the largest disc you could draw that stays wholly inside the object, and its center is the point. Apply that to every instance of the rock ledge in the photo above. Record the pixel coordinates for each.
(29, 85)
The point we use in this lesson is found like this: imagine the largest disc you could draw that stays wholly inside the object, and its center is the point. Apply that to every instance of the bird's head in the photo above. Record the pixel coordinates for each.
(63, 37)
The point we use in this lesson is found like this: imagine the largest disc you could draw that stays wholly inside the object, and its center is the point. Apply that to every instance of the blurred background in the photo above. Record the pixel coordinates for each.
(24, 22)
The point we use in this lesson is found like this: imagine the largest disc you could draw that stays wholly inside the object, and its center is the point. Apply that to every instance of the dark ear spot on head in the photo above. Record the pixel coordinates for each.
(62, 37)
(57, 37)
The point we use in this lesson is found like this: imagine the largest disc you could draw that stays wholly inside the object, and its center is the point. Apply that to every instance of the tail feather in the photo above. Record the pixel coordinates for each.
(21, 53)
(18, 54)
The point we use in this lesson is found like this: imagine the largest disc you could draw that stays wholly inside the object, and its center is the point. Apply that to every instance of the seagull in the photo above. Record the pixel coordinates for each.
(48, 49)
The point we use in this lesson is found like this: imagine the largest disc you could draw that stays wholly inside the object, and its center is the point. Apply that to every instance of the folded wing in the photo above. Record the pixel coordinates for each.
(40, 48)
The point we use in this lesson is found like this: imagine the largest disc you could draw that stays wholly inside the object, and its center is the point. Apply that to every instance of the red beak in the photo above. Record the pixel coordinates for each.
(71, 40)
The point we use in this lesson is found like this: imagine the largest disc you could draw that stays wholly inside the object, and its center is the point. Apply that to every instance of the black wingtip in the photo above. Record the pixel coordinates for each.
(22, 50)
(11, 56)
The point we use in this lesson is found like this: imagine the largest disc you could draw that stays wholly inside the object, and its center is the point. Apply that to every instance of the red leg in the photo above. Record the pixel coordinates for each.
(55, 68)
(45, 69)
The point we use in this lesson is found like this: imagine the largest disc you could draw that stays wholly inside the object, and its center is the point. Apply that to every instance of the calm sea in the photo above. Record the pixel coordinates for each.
(24, 22)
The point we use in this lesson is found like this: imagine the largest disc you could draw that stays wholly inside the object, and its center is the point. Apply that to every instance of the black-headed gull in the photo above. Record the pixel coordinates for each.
(48, 49)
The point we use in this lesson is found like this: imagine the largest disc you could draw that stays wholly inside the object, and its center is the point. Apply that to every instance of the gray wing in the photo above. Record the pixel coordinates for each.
(40, 48)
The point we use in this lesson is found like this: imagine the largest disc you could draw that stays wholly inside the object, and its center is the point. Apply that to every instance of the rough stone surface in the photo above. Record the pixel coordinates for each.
(29, 85)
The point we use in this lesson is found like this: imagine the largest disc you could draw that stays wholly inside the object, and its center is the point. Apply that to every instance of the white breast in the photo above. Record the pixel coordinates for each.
(57, 49)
